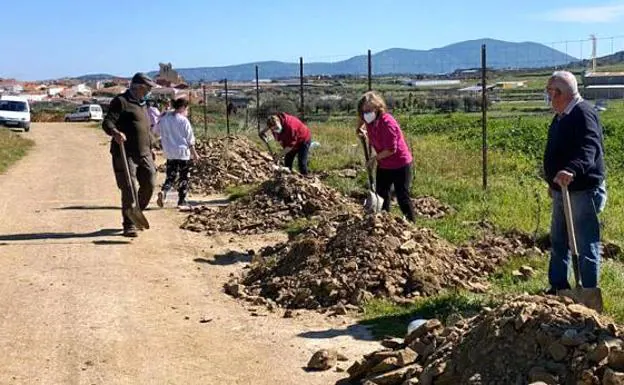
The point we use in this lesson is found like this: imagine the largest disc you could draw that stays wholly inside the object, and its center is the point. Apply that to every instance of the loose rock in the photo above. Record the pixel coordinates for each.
(323, 360)
(226, 162)
(489, 349)
(347, 259)
(276, 203)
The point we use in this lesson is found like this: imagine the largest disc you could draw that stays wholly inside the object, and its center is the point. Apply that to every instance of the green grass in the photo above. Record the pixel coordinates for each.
(450, 172)
(386, 318)
(239, 191)
(447, 165)
(297, 225)
(13, 146)
(339, 146)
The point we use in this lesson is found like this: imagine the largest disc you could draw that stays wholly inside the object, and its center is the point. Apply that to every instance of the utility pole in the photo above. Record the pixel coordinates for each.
(594, 44)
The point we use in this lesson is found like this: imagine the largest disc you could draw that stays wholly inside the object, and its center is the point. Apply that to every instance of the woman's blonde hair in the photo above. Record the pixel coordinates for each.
(372, 98)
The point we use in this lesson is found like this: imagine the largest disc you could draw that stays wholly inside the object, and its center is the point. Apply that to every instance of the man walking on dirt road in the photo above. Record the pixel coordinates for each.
(128, 124)
(574, 157)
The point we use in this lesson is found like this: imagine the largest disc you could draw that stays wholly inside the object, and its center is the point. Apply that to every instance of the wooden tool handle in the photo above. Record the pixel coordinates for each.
(127, 172)
(567, 210)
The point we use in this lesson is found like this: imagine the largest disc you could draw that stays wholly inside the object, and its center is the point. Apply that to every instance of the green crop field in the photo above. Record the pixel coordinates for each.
(447, 165)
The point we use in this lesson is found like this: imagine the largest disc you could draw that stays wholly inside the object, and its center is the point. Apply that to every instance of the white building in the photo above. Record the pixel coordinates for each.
(55, 90)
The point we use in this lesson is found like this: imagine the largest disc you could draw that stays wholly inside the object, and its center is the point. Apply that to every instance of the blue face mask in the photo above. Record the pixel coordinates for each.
(278, 129)
(147, 95)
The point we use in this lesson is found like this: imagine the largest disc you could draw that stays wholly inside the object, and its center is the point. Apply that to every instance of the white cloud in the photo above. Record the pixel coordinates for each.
(590, 14)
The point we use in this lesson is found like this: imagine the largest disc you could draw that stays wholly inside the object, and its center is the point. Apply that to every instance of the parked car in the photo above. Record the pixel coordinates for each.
(15, 112)
(85, 113)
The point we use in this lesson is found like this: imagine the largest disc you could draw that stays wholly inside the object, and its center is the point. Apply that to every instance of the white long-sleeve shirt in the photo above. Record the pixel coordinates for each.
(176, 135)
(153, 114)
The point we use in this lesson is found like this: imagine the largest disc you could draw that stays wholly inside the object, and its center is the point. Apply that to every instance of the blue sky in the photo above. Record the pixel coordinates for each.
(46, 39)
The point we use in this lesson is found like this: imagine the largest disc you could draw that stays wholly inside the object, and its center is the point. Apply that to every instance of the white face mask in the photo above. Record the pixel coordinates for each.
(369, 117)
(278, 128)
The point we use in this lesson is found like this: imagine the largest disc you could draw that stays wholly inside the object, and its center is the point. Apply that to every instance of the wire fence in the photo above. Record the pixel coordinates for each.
(484, 94)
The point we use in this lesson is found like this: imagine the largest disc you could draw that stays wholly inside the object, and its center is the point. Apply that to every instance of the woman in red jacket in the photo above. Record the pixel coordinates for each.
(295, 138)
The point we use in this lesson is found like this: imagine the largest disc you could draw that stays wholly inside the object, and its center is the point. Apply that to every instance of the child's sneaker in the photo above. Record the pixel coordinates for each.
(162, 195)
(184, 205)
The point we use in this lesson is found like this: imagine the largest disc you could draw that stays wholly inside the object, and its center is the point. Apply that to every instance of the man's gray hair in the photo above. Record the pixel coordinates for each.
(565, 81)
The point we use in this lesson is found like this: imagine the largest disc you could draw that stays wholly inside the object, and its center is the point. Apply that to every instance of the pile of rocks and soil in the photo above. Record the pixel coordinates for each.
(527, 340)
(345, 260)
(226, 162)
(430, 207)
(274, 205)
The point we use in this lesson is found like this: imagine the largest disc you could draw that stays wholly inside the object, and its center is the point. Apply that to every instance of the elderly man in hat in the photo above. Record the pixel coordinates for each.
(128, 124)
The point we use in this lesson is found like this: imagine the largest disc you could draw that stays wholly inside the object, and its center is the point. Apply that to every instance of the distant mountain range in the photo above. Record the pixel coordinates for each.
(95, 77)
(467, 54)
(616, 58)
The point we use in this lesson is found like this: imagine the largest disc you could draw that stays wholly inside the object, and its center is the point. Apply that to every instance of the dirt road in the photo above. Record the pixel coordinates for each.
(79, 304)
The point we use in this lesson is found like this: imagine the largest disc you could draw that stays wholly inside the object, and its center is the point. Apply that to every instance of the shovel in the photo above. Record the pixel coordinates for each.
(590, 297)
(264, 139)
(373, 202)
(134, 212)
(278, 163)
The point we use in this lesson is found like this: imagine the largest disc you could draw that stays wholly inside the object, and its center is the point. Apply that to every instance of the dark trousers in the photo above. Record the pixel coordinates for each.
(401, 178)
(180, 169)
(302, 158)
(142, 169)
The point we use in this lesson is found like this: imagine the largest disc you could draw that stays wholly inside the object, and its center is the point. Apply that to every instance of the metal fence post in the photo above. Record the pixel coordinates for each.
(484, 114)
(205, 110)
(257, 100)
(301, 88)
(190, 108)
(227, 109)
(370, 71)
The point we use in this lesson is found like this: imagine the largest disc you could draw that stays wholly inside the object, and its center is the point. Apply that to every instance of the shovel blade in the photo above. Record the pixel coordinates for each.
(136, 216)
(373, 203)
(589, 297)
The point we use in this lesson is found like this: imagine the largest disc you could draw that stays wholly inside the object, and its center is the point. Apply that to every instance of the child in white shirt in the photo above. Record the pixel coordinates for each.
(178, 143)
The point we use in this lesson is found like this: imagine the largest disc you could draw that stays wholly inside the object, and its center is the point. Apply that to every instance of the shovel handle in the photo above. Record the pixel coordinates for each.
(371, 183)
(567, 211)
(127, 172)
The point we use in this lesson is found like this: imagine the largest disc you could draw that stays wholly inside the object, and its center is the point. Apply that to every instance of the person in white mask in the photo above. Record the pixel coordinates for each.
(294, 136)
(392, 156)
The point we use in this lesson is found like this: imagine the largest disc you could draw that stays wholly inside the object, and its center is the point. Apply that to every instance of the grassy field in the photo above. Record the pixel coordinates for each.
(13, 146)
(447, 164)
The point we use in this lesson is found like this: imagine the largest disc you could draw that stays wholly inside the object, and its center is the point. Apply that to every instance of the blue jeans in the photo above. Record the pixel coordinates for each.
(586, 205)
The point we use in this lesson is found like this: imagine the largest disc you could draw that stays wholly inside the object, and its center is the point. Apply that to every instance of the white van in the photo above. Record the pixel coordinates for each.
(14, 112)
(85, 113)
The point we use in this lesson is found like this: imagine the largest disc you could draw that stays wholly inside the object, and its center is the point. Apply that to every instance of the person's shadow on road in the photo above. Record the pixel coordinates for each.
(61, 236)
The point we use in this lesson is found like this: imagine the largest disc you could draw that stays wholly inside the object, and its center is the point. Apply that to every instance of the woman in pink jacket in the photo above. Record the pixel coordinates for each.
(392, 156)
